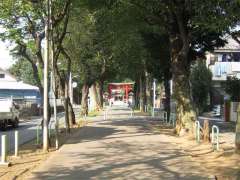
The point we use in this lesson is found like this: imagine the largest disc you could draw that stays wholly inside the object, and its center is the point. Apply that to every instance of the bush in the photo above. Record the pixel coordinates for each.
(232, 87)
(201, 83)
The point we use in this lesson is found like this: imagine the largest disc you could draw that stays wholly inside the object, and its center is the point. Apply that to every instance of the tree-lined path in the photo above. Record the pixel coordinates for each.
(120, 148)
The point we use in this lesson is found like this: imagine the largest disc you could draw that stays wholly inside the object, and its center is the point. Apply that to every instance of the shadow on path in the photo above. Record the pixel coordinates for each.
(119, 149)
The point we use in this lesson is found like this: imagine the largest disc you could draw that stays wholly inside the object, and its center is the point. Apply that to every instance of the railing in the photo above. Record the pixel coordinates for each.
(221, 70)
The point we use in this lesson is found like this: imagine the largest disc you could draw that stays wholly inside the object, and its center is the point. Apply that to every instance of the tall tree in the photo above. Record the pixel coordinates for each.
(192, 29)
(23, 71)
(23, 24)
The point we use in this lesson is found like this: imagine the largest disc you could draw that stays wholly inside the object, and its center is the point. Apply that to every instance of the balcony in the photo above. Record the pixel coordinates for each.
(221, 70)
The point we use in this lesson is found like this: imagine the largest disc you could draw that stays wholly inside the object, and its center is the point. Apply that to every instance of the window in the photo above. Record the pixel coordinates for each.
(213, 59)
(2, 76)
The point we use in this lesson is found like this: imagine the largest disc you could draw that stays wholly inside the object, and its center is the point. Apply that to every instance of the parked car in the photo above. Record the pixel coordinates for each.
(9, 113)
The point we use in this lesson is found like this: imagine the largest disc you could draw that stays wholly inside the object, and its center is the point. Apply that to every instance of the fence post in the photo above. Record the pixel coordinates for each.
(16, 143)
(4, 152)
(145, 108)
(153, 112)
(197, 131)
(215, 137)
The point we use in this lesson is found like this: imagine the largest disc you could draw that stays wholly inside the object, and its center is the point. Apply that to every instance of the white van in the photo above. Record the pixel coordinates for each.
(9, 113)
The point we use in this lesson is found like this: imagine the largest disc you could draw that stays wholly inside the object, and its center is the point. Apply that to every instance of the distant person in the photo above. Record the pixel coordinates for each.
(129, 104)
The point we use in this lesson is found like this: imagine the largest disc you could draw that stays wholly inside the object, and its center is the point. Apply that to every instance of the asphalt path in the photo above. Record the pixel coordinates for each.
(120, 147)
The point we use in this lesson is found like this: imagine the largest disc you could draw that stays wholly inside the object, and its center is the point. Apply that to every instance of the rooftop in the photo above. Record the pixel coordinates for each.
(16, 85)
(230, 46)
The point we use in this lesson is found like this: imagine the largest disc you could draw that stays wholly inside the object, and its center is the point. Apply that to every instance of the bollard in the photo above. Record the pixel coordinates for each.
(145, 108)
(105, 114)
(16, 143)
(165, 116)
(49, 129)
(197, 131)
(153, 113)
(170, 119)
(4, 152)
(108, 115)
(132, 113)
(215, 137)
(37, 141)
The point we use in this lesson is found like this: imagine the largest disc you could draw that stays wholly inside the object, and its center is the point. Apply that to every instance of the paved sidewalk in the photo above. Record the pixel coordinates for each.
(119, 148)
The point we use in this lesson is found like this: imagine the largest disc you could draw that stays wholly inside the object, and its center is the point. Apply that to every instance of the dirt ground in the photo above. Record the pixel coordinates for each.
(223, 164)
(31, 155)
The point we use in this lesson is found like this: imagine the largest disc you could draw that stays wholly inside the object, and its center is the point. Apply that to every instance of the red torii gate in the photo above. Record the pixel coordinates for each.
(126, 87)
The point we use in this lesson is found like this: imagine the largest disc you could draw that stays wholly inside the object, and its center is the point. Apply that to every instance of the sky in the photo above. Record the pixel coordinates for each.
(5, 59)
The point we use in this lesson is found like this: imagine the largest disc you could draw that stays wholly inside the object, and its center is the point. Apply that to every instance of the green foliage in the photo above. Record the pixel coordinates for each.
(232, 87)
(201, 81)
(82, 46)
(158, 47)
(22, 70)
(105, 42)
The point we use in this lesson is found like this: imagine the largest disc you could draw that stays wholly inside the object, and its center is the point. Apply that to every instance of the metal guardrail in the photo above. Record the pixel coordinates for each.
(164, 116)
(172, 119)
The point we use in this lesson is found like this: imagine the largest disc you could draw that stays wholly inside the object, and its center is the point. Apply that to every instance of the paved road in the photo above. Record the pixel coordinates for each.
(119, 148)
(27, 130)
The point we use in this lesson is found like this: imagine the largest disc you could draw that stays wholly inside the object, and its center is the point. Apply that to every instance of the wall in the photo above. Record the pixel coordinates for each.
(7, 77)
(233, 111)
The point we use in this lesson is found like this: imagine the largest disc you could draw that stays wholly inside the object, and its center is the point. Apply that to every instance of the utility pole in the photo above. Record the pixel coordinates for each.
(53, 83)
(45, 81)
(70, 88)
(154, 96)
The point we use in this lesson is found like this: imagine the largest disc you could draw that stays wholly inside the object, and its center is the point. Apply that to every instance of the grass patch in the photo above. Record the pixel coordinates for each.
(93, 113)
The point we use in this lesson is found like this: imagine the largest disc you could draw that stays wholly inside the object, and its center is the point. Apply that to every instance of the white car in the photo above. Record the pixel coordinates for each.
(9, 113)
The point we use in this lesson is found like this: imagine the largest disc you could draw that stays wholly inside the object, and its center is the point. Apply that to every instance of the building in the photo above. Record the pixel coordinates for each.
(19, 91)
(223, 62)
(120, 93)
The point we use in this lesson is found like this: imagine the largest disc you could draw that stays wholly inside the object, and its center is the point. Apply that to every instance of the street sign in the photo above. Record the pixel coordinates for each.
(74, 84)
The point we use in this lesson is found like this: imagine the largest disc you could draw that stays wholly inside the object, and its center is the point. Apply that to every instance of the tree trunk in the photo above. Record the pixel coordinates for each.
(168, 97)
(181, 59)
(186, 115)
(71, 113)
(237, 136)
(144, 91)
(148, 89)
(136, 93)
(84, 101)
(141, 94)
(206, 132)
(99, 86)
(66, 102)
(96, 97)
